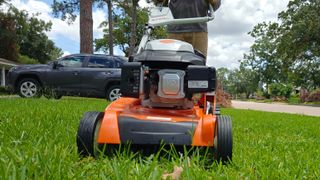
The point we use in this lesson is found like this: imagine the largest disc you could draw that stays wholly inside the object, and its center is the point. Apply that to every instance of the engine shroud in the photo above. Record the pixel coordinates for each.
(171, 83)
(167, 74)
(166, 88)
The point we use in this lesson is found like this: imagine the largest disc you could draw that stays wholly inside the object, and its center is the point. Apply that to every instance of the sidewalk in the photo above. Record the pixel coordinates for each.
(271, 107)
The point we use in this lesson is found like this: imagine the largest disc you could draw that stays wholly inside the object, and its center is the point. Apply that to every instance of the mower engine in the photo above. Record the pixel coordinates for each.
(167, 74)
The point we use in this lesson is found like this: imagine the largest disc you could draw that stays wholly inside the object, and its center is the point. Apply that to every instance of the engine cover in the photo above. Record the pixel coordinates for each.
(201, 79)
(171, 83)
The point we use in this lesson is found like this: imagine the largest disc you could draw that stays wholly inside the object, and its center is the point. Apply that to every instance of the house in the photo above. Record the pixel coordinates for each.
(5, 65)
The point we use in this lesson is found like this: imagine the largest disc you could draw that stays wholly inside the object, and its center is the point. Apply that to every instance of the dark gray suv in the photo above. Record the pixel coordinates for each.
(86, 75)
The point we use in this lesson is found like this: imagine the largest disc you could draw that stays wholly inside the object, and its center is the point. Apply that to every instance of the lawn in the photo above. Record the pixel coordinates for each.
(37, 140)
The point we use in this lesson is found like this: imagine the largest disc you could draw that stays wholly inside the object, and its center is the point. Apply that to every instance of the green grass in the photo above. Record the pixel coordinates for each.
(37, 140)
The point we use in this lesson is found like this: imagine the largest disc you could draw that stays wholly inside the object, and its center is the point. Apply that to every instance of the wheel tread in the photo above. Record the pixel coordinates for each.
(85, 133)
(224, 133)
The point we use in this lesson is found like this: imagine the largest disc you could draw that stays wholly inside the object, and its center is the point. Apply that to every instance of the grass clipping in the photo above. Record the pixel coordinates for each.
(177, 170)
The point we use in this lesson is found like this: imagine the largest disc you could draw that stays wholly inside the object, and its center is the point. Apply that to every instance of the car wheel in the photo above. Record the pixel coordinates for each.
(29, 88)
(113, 93)
(88, 133)
(223, 139)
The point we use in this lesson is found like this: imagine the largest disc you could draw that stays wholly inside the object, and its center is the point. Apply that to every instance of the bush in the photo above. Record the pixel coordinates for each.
(26, 60)
(260, 95)
(281, 91)
(4, 90)
(266, 94)
(314, 96)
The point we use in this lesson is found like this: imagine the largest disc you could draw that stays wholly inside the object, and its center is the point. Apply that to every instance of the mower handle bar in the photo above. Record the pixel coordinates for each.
(183, 21)
(169, 20)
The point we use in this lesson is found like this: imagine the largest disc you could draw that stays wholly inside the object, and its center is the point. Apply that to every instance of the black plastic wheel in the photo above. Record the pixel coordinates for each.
(29, 88)
(223, 139)
(218, 112)
(88, 132)
(113, 93)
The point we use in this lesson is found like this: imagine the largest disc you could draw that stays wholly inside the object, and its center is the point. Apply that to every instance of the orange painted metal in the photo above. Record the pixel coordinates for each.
(109, 130)
(167, 41)
(130, 107)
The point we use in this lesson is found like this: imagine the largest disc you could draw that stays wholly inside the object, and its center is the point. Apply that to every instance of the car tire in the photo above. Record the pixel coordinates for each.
(113, 93)
(88, 132)
(223, 139)
(29, 88)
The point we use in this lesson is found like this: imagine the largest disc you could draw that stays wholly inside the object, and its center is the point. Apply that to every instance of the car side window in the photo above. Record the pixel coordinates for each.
(98, 62)
(73, 61)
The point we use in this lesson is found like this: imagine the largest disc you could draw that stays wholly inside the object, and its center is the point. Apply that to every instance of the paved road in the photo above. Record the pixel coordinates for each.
(273, 107)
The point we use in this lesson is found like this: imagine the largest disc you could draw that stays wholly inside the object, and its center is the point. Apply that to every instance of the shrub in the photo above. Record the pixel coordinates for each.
(26, 60)
(260, 95)
(281, 91)
(266, 94)
(4, 90)
(314, 96)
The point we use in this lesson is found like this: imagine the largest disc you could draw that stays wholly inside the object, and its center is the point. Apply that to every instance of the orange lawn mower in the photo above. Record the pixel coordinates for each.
(157, 106)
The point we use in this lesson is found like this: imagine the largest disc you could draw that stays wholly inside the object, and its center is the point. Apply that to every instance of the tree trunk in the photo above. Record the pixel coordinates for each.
(133, 38)
(86, 27)
(110, 22)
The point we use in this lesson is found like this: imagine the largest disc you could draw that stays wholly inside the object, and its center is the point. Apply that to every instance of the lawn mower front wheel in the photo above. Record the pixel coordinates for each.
(223, 139)
(88, 132)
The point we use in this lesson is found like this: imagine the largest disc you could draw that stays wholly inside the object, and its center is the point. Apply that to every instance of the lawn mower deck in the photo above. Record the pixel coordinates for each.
(125, 120)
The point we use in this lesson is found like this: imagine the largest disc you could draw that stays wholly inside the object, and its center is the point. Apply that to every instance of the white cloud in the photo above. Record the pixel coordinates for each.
(65, 53)
(228, 39)
(60, 28)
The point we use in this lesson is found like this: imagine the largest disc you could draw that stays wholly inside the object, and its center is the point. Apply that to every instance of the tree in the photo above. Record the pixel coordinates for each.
(133, 38)
(86, 26)
(299, 42)
(4, 1)
(68, 9)
(122, 30)
(288, 51)
(26, 36)
(110, 23)
(238, 81)
(9, 48)
(262, 56)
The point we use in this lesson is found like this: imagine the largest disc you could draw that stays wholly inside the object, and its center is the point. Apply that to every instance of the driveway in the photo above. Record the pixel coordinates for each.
(274, 107)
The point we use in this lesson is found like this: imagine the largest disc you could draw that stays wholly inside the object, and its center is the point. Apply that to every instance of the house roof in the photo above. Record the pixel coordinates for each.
(8, 63)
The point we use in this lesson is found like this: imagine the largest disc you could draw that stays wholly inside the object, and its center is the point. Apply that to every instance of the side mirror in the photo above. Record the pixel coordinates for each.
(55, 65)
(131, 58)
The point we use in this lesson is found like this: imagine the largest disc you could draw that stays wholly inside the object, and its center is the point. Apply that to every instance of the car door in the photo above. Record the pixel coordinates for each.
(97, 72)
(65, 77)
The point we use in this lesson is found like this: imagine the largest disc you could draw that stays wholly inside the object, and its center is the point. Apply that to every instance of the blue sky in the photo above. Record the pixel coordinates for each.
(228, 38)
